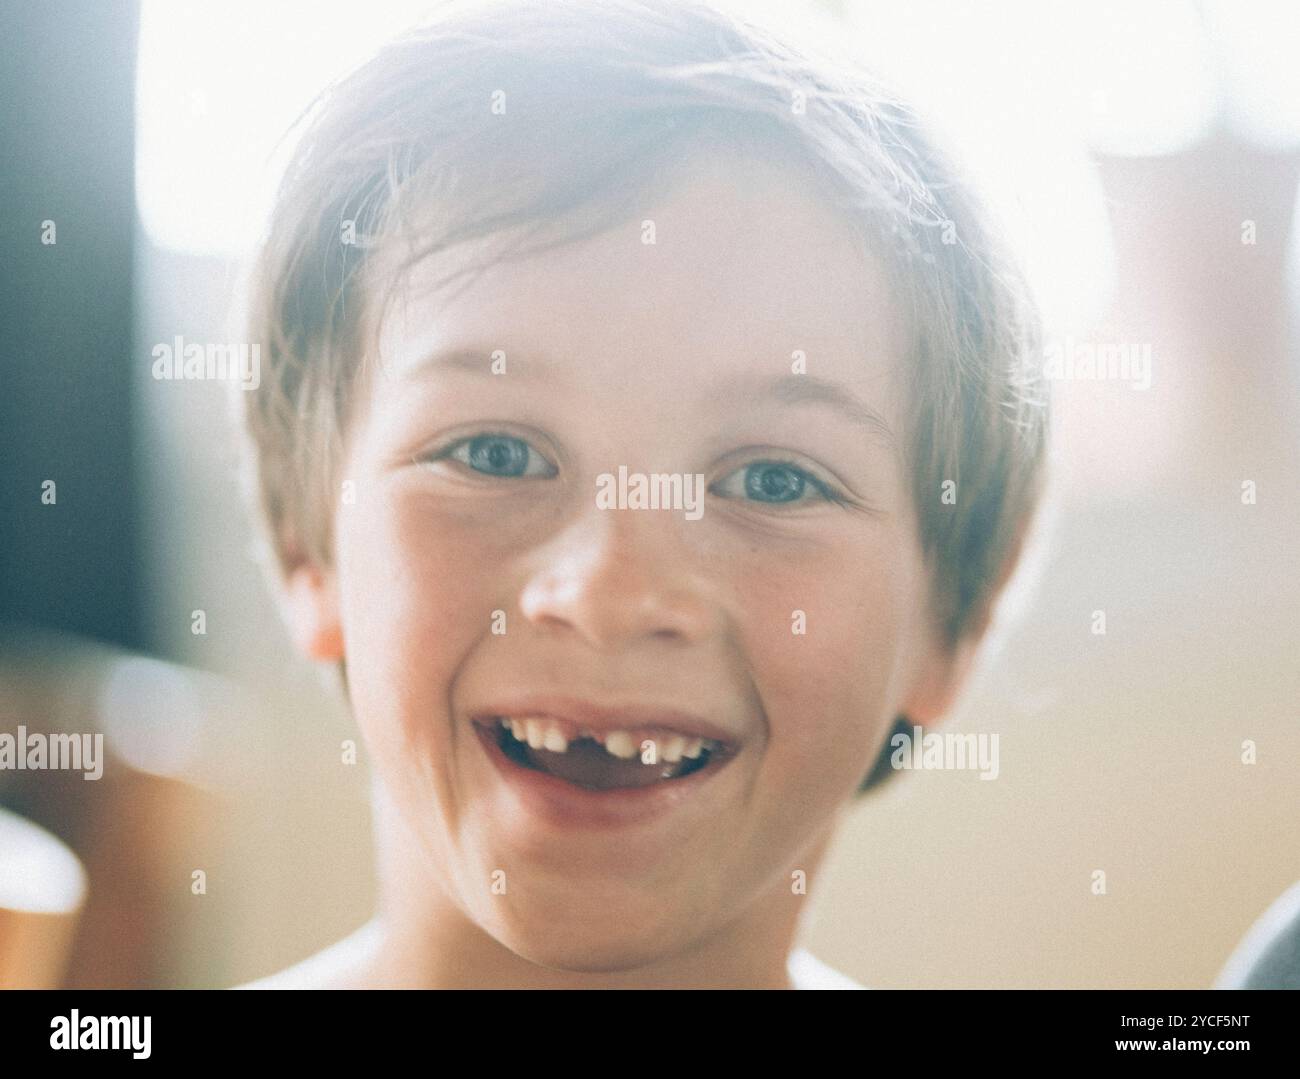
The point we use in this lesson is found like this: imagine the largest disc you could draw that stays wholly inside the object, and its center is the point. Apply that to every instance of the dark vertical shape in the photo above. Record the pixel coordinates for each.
(67, 146)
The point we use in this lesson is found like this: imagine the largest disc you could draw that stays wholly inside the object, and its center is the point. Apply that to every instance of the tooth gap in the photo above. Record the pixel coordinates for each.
(684, 767)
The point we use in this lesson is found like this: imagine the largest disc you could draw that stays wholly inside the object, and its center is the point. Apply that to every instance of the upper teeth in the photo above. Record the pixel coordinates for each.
(541, 732)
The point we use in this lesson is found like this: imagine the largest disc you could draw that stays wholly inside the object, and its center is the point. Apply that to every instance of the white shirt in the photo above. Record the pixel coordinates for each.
(808, 972)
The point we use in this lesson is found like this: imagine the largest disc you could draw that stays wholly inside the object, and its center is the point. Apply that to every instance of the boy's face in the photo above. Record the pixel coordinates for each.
(794, 625)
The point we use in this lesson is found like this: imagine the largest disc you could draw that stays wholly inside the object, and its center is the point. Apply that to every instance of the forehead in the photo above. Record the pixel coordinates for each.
(735, 269)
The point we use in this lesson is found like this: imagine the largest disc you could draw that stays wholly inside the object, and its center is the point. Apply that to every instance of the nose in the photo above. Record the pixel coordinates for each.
(618, 577)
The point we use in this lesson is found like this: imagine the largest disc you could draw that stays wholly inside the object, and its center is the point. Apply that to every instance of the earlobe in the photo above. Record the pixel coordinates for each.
(309, 600)
(940, 683)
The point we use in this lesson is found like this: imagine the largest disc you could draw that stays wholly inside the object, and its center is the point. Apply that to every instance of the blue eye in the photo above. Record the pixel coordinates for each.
(778, 483)
(499, 455)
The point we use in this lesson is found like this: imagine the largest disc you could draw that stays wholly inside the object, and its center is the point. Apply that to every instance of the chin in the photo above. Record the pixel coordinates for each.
(590, 957)
(605, 945)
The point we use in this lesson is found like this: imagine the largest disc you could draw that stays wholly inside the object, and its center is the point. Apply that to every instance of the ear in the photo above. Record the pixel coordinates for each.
(944, 672)
(947, 668)
(309, 601)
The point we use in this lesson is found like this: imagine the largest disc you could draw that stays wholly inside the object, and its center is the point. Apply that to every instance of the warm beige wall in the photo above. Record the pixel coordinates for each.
(1119, 753)
(1123, 752)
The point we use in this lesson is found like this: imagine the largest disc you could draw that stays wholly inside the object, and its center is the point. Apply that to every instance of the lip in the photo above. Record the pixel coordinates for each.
(567, 806)
(605, 718)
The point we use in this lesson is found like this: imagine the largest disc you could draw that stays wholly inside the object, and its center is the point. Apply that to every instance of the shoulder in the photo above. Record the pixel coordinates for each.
(346, 964)
(808, 972)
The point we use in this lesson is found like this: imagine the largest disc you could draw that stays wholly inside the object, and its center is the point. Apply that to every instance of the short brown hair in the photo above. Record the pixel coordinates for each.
(600, 97)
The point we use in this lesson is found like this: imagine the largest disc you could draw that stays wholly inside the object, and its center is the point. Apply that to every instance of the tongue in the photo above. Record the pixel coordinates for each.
(587, 764)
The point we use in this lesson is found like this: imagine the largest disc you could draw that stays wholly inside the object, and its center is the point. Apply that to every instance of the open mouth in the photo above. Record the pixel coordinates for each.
(603, 761)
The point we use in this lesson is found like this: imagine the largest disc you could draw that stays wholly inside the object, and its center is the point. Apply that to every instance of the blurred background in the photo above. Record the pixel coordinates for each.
(1144, 156)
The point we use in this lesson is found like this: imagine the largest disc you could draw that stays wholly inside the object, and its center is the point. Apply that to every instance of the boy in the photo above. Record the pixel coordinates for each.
(633, 546)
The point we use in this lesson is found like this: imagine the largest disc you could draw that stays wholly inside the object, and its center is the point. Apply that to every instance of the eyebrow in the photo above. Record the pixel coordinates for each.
(790, 389)
(811, 390)
(473, 360)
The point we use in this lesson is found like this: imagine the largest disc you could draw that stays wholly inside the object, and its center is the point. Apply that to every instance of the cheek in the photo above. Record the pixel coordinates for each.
(415, 596)
(829, 691)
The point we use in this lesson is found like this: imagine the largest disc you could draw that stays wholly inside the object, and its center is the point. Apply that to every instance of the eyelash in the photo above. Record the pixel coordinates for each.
(451, 448)
(827, 492)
